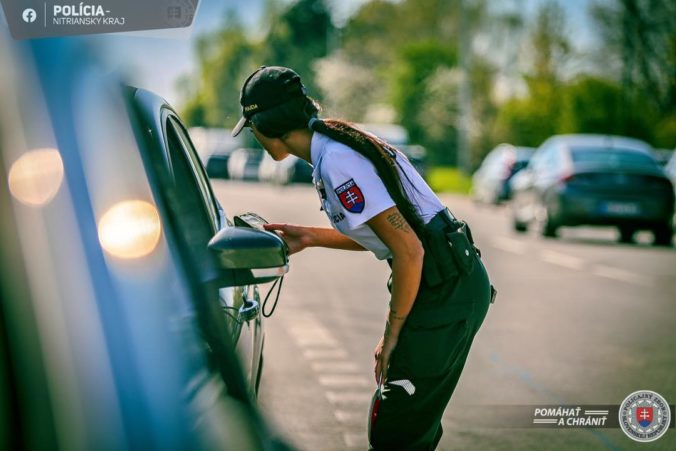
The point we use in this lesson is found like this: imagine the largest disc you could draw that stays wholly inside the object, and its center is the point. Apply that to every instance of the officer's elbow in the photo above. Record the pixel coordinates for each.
(412, 252)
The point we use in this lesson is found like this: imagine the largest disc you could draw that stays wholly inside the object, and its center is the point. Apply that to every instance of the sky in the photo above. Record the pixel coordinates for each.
(156, 59)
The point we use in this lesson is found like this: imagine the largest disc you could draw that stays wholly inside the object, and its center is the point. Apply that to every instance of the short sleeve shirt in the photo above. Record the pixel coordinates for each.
(352, 193)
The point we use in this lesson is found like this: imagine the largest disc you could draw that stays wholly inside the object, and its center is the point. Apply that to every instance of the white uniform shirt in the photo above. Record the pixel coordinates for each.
(351, 191)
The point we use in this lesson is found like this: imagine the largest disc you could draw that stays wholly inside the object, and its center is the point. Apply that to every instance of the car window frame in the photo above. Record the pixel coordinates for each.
(211, 206)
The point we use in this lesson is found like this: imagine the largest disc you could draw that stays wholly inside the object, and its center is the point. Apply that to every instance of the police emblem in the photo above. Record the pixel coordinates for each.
(351, 197)
(644, 416)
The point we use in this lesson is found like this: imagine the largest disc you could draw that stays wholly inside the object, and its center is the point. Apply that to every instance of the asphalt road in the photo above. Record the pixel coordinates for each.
(578, 320)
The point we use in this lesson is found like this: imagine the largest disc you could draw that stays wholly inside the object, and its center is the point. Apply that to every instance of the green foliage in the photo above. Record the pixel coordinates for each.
(445, 179)
(228, 56)
(416, 63)
(665, 132)
(400, 60)
(595, 105)
(298, 37)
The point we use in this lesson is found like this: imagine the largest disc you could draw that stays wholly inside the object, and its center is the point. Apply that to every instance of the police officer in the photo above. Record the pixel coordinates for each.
(376, 201)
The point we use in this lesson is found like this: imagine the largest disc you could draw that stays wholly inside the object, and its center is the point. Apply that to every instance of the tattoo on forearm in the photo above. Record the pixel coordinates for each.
(393, 315)
(398, 222)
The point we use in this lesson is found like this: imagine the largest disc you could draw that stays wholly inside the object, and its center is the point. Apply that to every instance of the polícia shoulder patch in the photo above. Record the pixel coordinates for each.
(351, 197)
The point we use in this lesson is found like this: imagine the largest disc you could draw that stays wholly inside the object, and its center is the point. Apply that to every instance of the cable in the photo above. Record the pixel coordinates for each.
(225, 310)
(265, 302)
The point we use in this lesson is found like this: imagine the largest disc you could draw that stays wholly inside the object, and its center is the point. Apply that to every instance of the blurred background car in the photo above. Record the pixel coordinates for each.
(594, 180)
(491, 181)
(663, 156)
(108, 337)
(670, 169)
(397, 136)
(244, 162)
(214, 147)
(290, 170)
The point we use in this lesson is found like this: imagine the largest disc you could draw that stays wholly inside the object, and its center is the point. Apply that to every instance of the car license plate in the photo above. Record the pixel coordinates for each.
(621, 208)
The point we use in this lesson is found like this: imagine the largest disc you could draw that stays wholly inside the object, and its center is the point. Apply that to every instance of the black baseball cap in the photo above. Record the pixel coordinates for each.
(267, 87)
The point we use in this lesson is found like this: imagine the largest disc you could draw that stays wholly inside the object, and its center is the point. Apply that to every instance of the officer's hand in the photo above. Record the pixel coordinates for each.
(382, 355)
(296, 237)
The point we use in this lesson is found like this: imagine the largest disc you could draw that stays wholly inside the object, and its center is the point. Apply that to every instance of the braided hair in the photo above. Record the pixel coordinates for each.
(302, 112)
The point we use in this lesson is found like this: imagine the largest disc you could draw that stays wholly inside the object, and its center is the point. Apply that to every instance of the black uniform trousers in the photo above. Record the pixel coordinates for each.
(431, 353)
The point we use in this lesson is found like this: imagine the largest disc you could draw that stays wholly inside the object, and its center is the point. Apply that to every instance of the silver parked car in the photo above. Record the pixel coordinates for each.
(491, 182)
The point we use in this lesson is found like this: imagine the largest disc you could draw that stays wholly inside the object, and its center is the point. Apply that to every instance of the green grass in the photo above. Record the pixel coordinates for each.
(445, 179)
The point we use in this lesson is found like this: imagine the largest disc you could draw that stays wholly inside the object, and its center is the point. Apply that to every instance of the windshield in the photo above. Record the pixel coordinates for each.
(624, 158)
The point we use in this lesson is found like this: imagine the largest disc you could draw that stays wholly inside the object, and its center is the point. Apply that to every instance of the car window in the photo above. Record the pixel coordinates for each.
(198, 170)
(611, 157)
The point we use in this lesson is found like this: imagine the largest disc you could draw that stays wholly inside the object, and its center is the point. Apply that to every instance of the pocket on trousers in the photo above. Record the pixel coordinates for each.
(462, 250)
(431, 351)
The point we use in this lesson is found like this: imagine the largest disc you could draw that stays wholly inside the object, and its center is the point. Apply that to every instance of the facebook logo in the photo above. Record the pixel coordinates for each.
(29, 15)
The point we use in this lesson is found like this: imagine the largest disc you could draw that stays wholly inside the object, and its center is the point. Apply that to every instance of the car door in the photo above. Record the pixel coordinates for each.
(241, 305)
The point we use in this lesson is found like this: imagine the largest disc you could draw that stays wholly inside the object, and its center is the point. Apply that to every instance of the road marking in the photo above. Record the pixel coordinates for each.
(335, 367)
(308, 331)
(567, 261)
(344, 380)
(509, 245)
(621, 275)
(325, 353)
(350, 416)
(349, 397)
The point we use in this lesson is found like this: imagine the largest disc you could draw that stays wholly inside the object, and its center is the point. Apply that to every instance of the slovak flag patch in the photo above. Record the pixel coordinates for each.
(644, 415)
(351, 197)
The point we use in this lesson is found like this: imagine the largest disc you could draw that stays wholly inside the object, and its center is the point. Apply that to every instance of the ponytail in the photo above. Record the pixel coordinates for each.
(381, 155)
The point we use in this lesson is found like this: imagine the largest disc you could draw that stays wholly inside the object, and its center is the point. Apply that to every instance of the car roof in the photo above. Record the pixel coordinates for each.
(593, 141)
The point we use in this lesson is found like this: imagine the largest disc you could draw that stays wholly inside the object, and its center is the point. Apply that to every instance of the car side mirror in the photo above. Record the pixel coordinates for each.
(247, 256)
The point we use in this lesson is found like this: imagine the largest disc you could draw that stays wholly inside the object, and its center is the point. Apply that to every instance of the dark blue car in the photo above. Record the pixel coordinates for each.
(114, 329)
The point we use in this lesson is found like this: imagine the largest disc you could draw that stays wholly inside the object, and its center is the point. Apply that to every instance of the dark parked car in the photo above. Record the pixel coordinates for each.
(112, 333)
(244, 163)
(595, 180)
(490, 183)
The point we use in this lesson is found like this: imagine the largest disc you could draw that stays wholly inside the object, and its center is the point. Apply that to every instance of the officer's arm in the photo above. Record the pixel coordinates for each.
(301, 237)
(407, 258)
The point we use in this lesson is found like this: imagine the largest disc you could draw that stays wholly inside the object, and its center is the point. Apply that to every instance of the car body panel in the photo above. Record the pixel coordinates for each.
(99, 350)
(157, 115)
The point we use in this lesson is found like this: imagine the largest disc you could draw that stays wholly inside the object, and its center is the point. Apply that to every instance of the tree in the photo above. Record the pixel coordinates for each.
(638, 47)
(298, 37)
(530, 120)
(594, 105)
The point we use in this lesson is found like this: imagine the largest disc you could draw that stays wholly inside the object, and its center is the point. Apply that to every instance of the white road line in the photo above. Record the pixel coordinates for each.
(567, 261)
(306, 330)
(353, 440)
(335, 367)
(325, 353)
(349, 397)
(344, 380)
(509, 245)
(350, 416)
(312, 337)
(621, 275)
